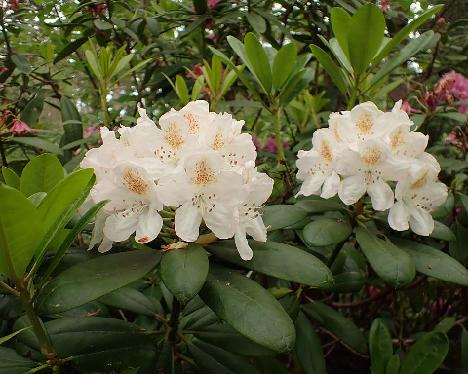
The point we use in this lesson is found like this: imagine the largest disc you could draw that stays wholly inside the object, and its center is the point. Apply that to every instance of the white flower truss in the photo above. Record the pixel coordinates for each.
(368, 151)
(194, 161)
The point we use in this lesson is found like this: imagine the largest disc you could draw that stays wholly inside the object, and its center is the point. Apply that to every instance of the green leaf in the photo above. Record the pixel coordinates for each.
(405, 31)
(96, 344)
(249, 309)
(308, 347)
(442, 232)
(206, 363)
(234, 363)
(92, 279)
(70, 48)
(330, 67)
(20, 229)
(327, 231)
(33, 109)
(278, 260)
(280, 216)
(40, 143)
(184, 271)
(60, 205)
(435, 263)
(41, 174)
(257, 22)
(340, 20)
(4, 339)
(426, 355)
(365, 33)
(12, 363)
(391, 263)
(21, 63)
(283, 64)
(336, 323)
(380, 346)
(297, 82)
(464, 348)
(393, 365)
(259, 61)
(181, 89)
(128, 298)
(10, 177)
(424, 42)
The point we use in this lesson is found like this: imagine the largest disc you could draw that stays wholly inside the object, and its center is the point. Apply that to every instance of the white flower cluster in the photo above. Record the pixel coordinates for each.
(196, 161)
(365, 149)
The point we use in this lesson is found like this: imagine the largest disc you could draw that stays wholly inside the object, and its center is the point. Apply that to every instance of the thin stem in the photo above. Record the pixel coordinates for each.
(354, 94)
(174, 322)
(9, 289)
(277, 128)
(38, 327)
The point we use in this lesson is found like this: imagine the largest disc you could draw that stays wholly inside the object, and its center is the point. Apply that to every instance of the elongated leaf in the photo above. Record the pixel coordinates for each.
(426, 355)
(128, 298)
(380, 346)
(31, 112)
(92, 279)
(335, 322)
(280, 216)
(283, 64)
(41, 174)
(181, 89)
(20, 228)
(206, 363)
(425, 41)
(330, 67)
(297, 82)
(70, 48)
(12, 363)
(96, 344)
(464, 349)
(184, 271)
(393, 365)
(4, 339)
(405, 31)
(249, 309)
(435, 263)
(365, 35)
(308, 347)
(278, 260)
(259, 61)
(326, 231)
(10, 177)
(40, 143)
(391, 263)
(340, 20)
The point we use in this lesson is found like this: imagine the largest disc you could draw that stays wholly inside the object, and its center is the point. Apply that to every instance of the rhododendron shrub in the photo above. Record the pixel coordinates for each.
(233, 187)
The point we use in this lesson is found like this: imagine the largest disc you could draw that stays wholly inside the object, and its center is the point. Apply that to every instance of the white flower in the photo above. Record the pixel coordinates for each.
(316, 167)
(133, 205)
(416, 197)
(367, 170)
(202, 188)
(259, 187)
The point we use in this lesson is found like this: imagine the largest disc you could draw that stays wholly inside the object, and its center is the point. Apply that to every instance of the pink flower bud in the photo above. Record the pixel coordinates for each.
(20, 128)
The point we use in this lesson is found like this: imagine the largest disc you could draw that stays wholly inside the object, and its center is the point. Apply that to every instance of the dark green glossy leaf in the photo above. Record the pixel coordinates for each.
(308, 347)
(380, 346)
(280, 216)
(130, 299)
(12, 363)
(326, 231)
(249, 309)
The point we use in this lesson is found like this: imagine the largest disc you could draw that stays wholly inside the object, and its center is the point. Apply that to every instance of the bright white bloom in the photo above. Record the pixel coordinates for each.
(202, 188)
(366, 151)
(258, 187)
(194, 161)
(416, 196)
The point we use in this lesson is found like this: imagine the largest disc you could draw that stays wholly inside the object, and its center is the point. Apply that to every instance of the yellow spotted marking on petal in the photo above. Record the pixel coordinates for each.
(364, 124)
(203, 174)
(134, 182)
(194, 124)
(372, 156)
(173, 136)
(326, 151)
(336, 135)
(218, 141)
(421, 181)
(397, 139)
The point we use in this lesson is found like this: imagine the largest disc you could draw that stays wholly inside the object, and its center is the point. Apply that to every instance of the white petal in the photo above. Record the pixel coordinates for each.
(381, 195)
(119, 228)
(256, 229)
(398, 217)
(331, 186)
(348, 163)
(352, 188)
(421, 221)
(105, 245)
(187, 222)
(221, 221)
(242, 245)
(149, 225)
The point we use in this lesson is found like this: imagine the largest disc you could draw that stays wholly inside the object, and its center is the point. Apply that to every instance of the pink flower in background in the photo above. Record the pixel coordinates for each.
(406, 106)
(270, 145)
(90, 131)
(452, 87)
(256, 142)
(384, 5)
(20, 128)
(212, 3)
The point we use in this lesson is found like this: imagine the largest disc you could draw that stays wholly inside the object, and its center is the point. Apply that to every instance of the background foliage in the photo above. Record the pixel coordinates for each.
(333, 290)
